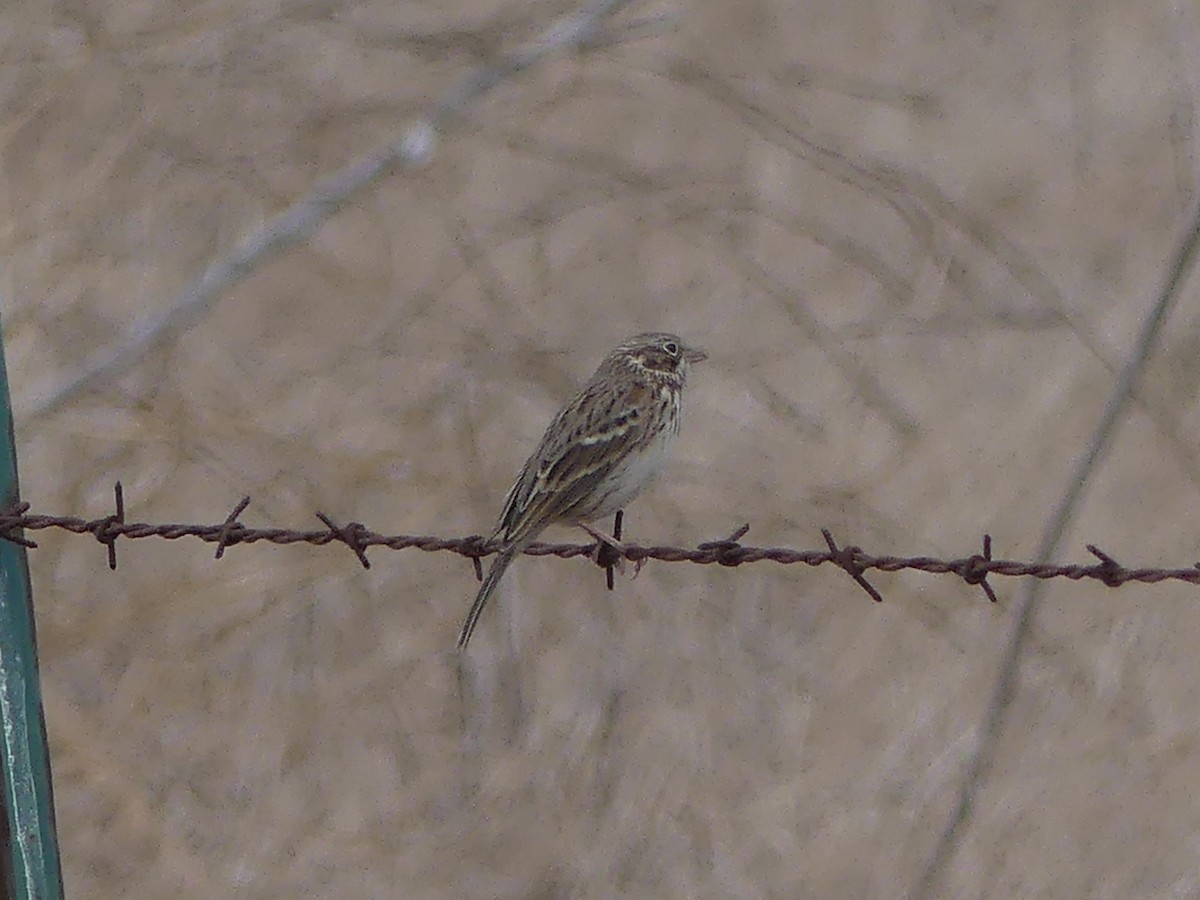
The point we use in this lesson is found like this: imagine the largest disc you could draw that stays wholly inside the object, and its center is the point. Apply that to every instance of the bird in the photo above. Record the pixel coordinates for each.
(599, 451)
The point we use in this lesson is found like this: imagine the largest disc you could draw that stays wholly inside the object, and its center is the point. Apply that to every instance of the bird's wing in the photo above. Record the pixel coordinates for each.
(582, 445)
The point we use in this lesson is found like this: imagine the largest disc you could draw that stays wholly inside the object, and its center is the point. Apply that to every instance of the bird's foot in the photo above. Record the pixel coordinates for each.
(609, 553)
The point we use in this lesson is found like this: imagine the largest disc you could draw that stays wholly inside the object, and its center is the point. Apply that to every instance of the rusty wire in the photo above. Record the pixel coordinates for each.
(728, 551)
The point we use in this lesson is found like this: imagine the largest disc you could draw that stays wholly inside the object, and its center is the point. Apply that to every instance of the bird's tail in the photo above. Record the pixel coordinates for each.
(494, 574)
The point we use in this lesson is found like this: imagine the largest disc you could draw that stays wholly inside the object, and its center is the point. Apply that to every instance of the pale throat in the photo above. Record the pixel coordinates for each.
(665, 379)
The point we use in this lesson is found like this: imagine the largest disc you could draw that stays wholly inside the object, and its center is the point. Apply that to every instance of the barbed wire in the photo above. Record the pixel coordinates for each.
(728, 551)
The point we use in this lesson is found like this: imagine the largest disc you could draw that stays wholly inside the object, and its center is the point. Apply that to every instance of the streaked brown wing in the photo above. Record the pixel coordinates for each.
(580, 448)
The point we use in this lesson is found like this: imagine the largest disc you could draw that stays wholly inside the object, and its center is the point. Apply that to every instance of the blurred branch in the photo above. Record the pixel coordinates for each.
(414, 148)
(1024, 613)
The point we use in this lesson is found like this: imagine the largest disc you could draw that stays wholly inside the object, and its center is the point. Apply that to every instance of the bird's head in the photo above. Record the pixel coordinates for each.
(658, 354)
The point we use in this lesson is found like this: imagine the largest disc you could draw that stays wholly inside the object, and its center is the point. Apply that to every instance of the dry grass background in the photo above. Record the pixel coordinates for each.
(917, 239)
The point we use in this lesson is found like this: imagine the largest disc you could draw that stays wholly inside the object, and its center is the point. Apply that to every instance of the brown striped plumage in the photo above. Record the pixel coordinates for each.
(598, 453)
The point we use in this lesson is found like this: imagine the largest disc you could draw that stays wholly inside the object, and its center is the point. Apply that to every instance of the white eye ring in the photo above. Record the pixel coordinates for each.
(671, 347)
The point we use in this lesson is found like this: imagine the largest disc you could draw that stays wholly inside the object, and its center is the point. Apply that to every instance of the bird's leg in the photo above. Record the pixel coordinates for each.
(605, 541)
(616, 533)
(617, 522)
(610, 551)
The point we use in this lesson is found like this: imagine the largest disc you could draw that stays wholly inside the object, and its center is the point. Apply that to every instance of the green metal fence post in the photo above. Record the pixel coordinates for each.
(28, 845)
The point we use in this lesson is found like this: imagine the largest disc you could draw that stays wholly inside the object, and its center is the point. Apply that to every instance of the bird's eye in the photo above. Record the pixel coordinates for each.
(672, 348)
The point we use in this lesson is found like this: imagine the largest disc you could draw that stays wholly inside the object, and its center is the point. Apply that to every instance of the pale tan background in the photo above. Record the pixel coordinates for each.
(917, 239)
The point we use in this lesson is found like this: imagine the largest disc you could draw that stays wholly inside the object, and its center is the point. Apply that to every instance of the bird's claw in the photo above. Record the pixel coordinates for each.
(609, 552)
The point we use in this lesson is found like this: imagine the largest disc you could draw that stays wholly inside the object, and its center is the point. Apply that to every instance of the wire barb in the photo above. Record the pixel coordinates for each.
(607, 551)
(231, 528)
(727, 551)
(1111, 572)
(108, 529)
(476, 546)
(10, 525)
(351, 536)
(610, 558)
(975, 569)
(847, 558)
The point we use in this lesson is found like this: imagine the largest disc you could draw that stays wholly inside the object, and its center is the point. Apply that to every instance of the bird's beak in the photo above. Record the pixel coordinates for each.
(693, 355)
